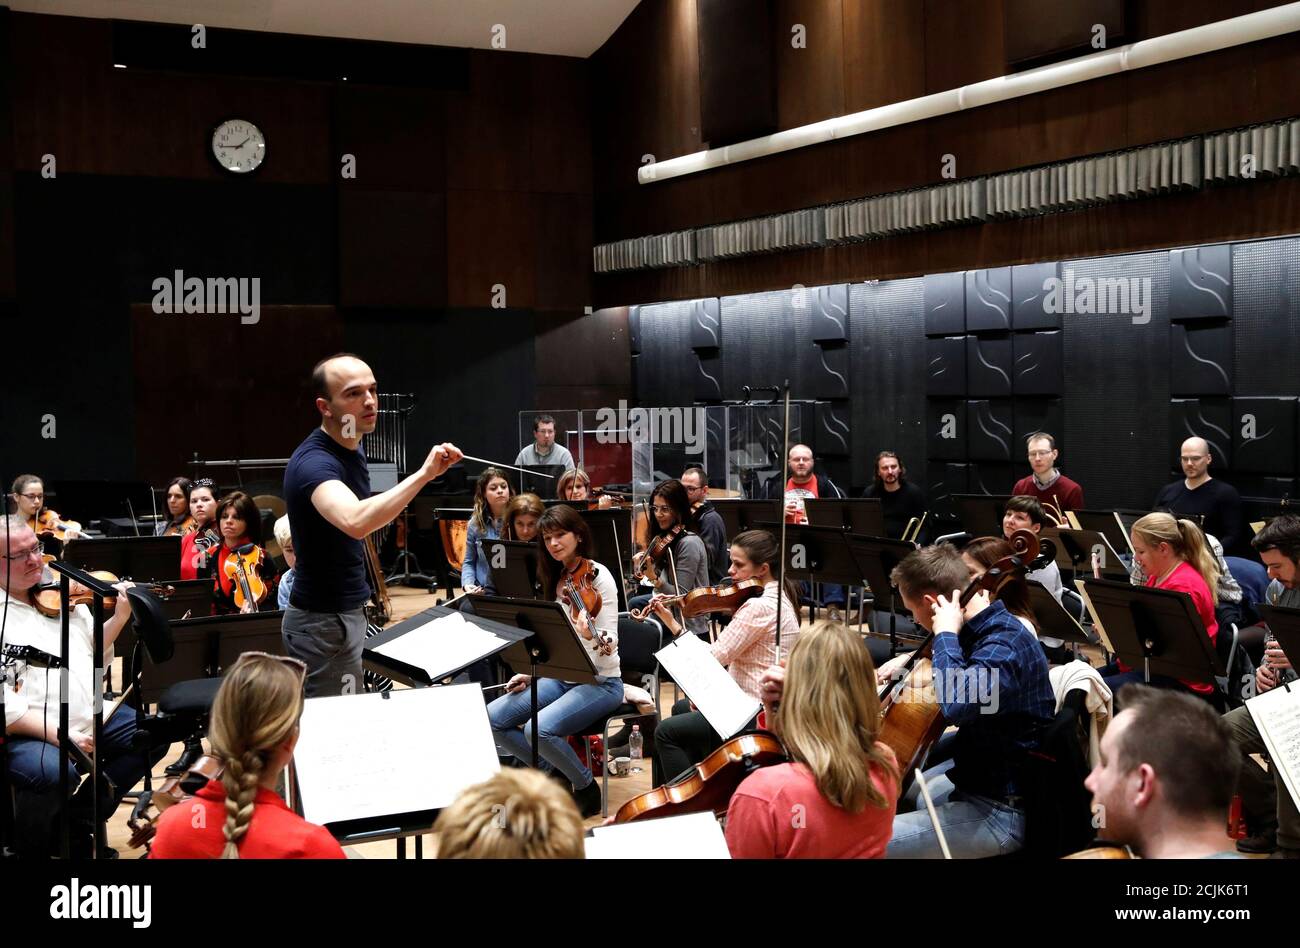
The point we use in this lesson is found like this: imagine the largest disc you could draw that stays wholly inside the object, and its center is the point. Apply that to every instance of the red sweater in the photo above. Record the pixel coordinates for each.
(196, 830)
(1069, 493)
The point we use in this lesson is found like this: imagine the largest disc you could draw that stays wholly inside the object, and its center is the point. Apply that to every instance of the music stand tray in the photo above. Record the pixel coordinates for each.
(861, 515)
(1052, 618)
(1074, 550)
(516, 577)
(143, 559)
(540, 479)
(611, 544)
(416, 677)
(1105, 522)
(981, 514)
(739, 515)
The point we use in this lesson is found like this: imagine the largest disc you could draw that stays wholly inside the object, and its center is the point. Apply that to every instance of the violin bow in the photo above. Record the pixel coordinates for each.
(785, 458)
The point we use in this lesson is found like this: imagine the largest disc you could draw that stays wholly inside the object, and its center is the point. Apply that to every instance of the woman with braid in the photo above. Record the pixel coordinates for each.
(254, 729)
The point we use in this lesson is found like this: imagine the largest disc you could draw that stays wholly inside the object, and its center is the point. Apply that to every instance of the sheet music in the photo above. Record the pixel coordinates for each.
(371, 755)
(1277, 715)
(714, 692)
(693, 836)
(441, 646)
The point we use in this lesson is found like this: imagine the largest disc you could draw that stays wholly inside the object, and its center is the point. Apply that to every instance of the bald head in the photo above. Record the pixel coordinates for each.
(1196, 446)
(1195, 460)
(347, 397)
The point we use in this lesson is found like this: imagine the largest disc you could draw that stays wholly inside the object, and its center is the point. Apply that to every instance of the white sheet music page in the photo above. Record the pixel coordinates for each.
(441, 646)
(693, 836)
(1277, 715)
(714, 692)
(366, 755)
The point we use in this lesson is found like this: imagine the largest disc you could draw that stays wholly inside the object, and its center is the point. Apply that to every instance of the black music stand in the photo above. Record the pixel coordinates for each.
(1105, 522)
(1053, 619)
(611, 543)
(188, 595)
(1074, 553)
(416, 677)
(540, 479)
(142, 559)
(879, 556)
(206, 646)
(739, 515)
(1157, 630)
(861, 515)
(551, 647)
(981, 514)
(516, 576)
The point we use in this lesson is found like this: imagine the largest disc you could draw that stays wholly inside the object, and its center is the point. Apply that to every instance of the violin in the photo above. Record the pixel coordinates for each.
(705, 600)
(911, 719)
(577, 590)
(241, 568)
(143, 822)
(644, 563)
(184, 528)
(712, 784)
(1103, 852)
(49, 524)
(48, 601)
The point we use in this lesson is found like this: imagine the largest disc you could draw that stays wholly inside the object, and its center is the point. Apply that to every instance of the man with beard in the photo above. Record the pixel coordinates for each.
(900, 499)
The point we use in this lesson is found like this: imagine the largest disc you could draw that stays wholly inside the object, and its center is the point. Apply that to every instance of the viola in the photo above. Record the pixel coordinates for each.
(48, 601)
(705, 600)
(49, 524)
(713, 782)
(242, 568)
(577, 590)
(644, 564)
(187, 526)
(143, 822)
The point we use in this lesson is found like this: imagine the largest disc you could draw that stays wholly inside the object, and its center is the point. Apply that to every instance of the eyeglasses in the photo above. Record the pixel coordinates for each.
(33, 497)
(35, 552)
(658, 509)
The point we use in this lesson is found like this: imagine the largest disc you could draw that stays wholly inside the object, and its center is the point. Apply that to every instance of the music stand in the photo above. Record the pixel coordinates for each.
(1157, 630)
(739, 515)
(879, 556)
(415, 676)
(540, 479)
(188, 595)
(516, 577)
(142, 559)
(1074, 549)
(1105, 522)
(1053, 619)
(611, 543)
(981, 514)
(206, 646)
(552, 646)
(861, 515)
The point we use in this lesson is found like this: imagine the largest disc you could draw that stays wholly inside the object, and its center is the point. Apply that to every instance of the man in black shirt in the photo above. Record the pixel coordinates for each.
(707, 522)
(1216, 504)
(331, 511)
(900, 499)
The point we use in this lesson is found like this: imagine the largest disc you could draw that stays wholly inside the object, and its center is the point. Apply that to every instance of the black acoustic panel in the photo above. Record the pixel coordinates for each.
(1117, 387)
(945, 304)
(667, 367)
(886, 346)
(706, 324)
(766, 343)
(988, 300)
(1030, 285)
(827, 308)
(1039, 414)
(1200, 282)
(830, 372)
(945, 366)
(945, 432)
(993, 477)
(708, 377)
(1208, 418)
(833, 437)
(1266, 291)
(1038, 364)
(988, 366)
(634, 329)
(737, 69)
(990, 430)
(1264, 435)
(941, 482)
(1201, 358)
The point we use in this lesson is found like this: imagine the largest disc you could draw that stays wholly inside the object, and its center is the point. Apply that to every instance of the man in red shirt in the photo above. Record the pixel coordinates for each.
(804, 485)
(1055, 491)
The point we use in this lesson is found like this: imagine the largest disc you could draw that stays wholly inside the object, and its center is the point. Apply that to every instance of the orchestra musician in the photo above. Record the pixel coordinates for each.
(1023, 512)
(1218, 505)
(1165, 776)
(241, 535)
(984, 552)
(492, 493)
(684, 565)
(841, 781)
(284, 537)
(900, 500)
(567, 707)
(523, 513)
(31, 701)
(705, 521)
(977, 788)
(238, 815)
(179, 521)
(28, 496)
(1046, 483)
(518, 814)
(327, 493)
(197, 545)
(544, 450)
(747, 647)
(575, 486)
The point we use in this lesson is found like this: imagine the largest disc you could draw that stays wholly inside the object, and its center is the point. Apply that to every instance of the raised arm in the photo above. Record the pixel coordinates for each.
(357, 517)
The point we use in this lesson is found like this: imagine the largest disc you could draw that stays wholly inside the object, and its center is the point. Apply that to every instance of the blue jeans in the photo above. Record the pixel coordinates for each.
(564, 708)
(974, 826)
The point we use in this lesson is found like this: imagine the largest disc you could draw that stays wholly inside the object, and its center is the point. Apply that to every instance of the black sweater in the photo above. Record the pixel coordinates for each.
(1218, 502)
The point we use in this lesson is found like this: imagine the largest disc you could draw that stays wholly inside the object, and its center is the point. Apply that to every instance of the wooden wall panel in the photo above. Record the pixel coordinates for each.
(563, 251)
(489, 129)
(392, 248)
(810, 79)
(1212, 92)
(490, 242)
(1087, 118)
(1158, 17)
(883, 62)
(963, 42)
(561, 125)
(398, 137)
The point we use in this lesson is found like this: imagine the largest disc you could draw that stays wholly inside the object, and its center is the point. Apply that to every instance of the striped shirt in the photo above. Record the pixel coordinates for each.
(747, 646)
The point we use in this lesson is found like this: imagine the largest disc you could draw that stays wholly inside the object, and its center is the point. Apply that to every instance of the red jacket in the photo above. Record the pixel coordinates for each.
(1069, 493)
(195, 830)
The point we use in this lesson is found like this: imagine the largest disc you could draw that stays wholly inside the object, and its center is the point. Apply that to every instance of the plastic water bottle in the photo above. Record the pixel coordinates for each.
(634, 745)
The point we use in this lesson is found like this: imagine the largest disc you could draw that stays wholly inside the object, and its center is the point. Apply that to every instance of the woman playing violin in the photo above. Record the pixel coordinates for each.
(682, 563)
(492, 493)
(574, 485)
(198, 544)
(747, 646)
(29, 500)
(567, 707)
(841, 780)
(180, 521)
(244, 575)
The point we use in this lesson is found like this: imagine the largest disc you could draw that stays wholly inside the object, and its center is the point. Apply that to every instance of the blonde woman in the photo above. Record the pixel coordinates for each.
(518, 814)
(1174, 555)
(836, 798)
(254, 729)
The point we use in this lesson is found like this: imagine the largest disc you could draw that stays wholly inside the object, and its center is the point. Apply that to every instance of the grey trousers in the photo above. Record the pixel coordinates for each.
(1262, 795)
(329, 643)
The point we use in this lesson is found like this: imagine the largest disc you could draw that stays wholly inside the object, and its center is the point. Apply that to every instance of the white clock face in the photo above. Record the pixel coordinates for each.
(238, 145)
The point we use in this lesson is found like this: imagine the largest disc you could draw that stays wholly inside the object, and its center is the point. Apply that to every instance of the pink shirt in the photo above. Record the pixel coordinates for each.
(747, 645)
(778, 813)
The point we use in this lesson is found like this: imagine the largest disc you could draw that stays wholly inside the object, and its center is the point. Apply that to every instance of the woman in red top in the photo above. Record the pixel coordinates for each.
(203, 539)
(1175, 556)
(836, 799)
(253, 733)
(241, 532)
